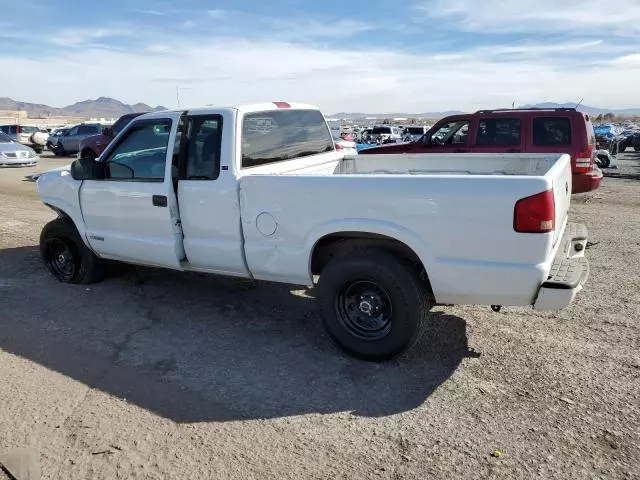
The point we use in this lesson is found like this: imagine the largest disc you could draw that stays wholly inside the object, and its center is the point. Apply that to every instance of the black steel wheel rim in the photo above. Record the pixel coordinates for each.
(60, 258)
(364, 309)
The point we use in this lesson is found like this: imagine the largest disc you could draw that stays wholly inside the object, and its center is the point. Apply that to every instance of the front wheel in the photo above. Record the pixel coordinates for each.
(373, 303)
(66, 256)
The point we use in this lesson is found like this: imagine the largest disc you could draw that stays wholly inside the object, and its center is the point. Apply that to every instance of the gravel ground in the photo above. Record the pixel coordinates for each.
(157, 374)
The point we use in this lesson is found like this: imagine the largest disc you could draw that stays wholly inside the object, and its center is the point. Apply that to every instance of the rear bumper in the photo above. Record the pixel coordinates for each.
(586, 182)
(569, 271)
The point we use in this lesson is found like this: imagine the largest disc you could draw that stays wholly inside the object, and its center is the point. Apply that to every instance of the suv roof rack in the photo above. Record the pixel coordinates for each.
(533, 109)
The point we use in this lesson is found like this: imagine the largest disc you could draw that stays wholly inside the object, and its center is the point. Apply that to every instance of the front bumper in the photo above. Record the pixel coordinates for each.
(18, 162)
(569, 271)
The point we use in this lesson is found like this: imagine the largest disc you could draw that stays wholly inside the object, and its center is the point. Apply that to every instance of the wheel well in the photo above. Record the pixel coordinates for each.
(333, 245)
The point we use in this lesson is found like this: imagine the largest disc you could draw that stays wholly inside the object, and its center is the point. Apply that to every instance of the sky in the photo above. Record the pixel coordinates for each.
(359, 56)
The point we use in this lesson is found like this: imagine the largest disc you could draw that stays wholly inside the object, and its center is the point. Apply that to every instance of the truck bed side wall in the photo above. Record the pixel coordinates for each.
(461, 227)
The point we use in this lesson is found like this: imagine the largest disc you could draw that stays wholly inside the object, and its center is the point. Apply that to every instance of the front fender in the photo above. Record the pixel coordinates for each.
(58, 189)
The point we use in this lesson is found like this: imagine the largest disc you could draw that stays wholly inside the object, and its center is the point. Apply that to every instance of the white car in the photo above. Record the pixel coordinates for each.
(414, 133)
(386, 134)
(347, 147)
(14, 154)
(388, 236)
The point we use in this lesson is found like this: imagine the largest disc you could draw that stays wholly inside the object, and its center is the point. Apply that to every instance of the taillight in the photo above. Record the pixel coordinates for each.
(17, 128)
(535, 214)
(584, 161)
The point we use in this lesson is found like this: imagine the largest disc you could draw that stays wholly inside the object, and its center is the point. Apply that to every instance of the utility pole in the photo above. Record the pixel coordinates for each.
(178, 89)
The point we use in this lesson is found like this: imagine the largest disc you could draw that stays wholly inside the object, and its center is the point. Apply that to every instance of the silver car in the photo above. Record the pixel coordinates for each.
(69, 142)
(13, 154)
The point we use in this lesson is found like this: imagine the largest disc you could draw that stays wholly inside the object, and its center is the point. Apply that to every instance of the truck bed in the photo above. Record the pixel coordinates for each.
(455, 211)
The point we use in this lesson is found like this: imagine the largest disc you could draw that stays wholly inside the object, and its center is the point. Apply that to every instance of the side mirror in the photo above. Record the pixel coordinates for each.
(107, 132)
(84, 169)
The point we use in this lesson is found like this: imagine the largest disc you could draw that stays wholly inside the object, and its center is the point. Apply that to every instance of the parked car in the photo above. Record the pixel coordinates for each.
(52, 141)
(14, 154)
(629, 139)
(69, 142)
(386, 134)
(345, 145)
(387, 236)
(94, 145)
(413, 133)
(28, 135)
(560, 130)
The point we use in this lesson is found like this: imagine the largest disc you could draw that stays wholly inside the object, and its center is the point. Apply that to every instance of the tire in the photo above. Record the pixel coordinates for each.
(59, 150)
(637, 149)
(66, 256)
(38, 149)
(381, 282)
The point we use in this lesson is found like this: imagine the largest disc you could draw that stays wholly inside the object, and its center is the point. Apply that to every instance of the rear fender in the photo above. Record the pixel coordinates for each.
(366, 226)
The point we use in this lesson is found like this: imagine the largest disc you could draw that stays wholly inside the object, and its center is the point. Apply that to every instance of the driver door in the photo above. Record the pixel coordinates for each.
(131, 212)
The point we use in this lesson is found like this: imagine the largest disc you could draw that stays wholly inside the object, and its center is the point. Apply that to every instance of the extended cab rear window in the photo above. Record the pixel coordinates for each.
(551, 131)
(280, 135)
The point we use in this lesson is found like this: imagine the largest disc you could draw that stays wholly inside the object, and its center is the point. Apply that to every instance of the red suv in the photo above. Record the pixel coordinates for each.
(94, 145)
(559, 130)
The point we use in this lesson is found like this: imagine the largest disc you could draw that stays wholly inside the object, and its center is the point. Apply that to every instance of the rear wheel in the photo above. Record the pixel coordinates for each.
(637, 149)
(66, 256)
(373, 303)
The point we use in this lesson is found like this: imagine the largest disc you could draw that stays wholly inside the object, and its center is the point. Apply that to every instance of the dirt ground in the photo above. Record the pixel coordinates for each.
(157, 374)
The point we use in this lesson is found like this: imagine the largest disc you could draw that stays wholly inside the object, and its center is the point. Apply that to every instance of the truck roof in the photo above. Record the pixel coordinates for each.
(256, 107)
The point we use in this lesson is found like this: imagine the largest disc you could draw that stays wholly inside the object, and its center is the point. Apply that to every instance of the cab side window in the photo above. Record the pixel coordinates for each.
(141, 155)
(201, 147)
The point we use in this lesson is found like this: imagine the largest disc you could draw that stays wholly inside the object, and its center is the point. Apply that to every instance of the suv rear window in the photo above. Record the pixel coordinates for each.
(88, 130)
(27, 129)
(381, 131)
(280, 135)
(551, 131)
(499, 131)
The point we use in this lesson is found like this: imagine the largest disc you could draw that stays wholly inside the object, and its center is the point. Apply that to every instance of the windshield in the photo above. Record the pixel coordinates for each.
(381, 130)
(415, 130)
(4, 138)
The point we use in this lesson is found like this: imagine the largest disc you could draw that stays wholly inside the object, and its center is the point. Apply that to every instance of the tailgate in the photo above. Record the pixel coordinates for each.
(561, 178)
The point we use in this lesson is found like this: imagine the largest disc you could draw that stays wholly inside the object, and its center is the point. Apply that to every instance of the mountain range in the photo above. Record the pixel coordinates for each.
(101, 107)
(111, 108)
(594, 111)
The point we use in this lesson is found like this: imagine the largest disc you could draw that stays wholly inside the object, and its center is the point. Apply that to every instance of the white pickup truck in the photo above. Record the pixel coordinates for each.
(261, 192)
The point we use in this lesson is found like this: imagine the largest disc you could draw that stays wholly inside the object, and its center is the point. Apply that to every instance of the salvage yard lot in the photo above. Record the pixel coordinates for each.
(158, 374)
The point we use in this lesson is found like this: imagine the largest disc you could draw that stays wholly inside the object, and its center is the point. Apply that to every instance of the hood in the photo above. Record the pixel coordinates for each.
(14, 147)
(54, 172)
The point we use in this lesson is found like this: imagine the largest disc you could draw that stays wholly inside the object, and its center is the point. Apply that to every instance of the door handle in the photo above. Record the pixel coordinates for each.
(159, 200)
